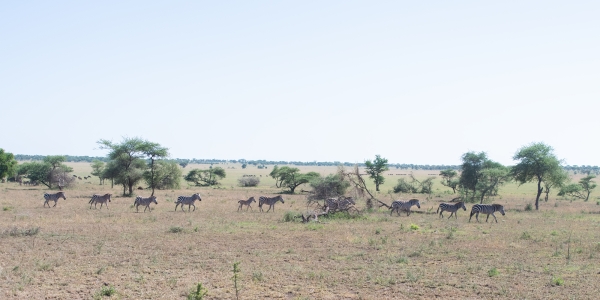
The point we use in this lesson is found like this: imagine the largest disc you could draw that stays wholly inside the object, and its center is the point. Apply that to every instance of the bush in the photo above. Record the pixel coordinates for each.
(404, 187)
(557, 281)
(175, 229)
(528, 207)
(248, 181)
(198, 293)
(493, 272)
(328, 187)
(290, 216)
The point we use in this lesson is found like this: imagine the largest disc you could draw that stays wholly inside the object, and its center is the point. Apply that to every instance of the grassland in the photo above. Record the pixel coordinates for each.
(73, 252)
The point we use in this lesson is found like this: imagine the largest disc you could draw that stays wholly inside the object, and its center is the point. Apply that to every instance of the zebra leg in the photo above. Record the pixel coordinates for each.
(55, 202)
(442, 213)
(471, 216)
(176, 204)
(240, 207)
(477, 216)
(249, 207)
(488, 217)
(494, 217)
(450, 215)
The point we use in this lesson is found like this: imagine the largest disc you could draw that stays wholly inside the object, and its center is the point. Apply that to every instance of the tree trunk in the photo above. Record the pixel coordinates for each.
(377, 187)
(539, 192)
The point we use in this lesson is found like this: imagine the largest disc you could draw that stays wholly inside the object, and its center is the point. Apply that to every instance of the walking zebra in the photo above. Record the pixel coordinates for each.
(269, 201)
(145, 202)
(339, 204)
(247, 203)
(100, 199)
(53, 197)
(452, 208)
(404, 206)
(486, 209)
(187, 200)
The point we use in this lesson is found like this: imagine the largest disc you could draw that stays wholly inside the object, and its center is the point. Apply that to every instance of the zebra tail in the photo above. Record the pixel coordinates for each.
(438, 210)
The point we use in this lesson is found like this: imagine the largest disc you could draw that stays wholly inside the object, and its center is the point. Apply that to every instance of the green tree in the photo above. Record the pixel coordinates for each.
(206, 177)
(98, 169)
(449, 179)
(291, 178)
(129, 161)
(167, 175)
(375, 169)
(332, 185)
(51, 172)
(556, 179)
(480, 177)
(537, 162)
(581, 190)
(8, 164)
(491, 178)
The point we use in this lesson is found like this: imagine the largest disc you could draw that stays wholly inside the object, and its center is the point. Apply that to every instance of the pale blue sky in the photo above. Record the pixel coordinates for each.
(414, 81)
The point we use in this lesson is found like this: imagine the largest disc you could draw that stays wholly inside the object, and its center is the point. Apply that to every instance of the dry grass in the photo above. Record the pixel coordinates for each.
(78, 253)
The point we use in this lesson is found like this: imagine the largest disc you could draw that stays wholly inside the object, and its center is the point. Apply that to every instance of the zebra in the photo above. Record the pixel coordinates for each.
(404, 206)
(270, 201)
(247, 203)
(100, 199)
(145, 202)
(187, 200)
(339, 204)
(452, 208)
(53, 197)
(486, 209)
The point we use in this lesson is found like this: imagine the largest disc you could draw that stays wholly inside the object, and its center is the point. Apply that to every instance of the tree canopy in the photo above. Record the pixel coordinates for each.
(206, 177)
(536, 162)
(581, 190)
(481, 177)
(291, 178)
(375, 169)
(8, 164)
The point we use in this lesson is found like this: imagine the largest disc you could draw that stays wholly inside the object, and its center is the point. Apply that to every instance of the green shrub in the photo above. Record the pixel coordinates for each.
(414, 227)
(175, 229)
(557, 281)
(198, 293)
(290, 216)
(493, 272)
(528, 207)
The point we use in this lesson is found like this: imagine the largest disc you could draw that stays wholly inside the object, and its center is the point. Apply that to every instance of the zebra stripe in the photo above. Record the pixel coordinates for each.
(145, 202)
(100, 199)
(269, 201)
(339, 204)
(486, 209)
(183, 200)
(404, 206)
(452, 208)
(247, 203)
(53, 197)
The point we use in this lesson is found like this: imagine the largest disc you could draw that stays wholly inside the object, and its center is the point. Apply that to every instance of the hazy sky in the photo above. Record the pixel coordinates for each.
(415, 81)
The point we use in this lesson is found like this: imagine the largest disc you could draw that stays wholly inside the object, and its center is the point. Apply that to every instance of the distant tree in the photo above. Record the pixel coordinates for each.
(480, 177)
(449, 179)
(167, 175)
(492, 177)
(153, 151)
(375, 169)
(537, 162)
(581, 190)
(98, 169)
(332, 185)
(8, 164)
(244, 166)
(206, 177)
(414, 186)
(248, 181)
(184, 163)
(555, 179)
(129, 161)
(51, 172)
(291, 178)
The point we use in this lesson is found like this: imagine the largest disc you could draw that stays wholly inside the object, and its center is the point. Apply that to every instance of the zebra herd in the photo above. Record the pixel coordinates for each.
(398, 205)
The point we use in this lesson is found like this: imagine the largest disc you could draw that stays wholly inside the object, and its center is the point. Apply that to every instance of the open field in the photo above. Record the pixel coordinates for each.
(72, 252)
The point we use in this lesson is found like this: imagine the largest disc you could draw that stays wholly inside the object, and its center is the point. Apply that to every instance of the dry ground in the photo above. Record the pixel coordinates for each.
(550, 254)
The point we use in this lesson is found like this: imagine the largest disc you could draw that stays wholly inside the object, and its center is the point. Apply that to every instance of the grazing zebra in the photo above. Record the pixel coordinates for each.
(486, 209)
(187, 200)
(100, 199)
(247, 203)
(404, 206)
(452, 208)
(53, 197)
(145, 202)
(270, 201)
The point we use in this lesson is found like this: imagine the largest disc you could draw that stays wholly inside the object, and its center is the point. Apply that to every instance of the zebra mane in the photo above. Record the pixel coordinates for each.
(413, 201)
(497, 206)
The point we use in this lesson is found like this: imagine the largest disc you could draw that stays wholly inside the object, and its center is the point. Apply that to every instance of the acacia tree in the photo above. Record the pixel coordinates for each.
(581, 190)
(8, 164)
(51, 172)
(537, 162)
(492, 177)
(480, 177)
(167, 175)
(206, 177)
(98, 169)
(449, 179)
(291, 178)
(375, 169)
(555, 179)
(129, 163)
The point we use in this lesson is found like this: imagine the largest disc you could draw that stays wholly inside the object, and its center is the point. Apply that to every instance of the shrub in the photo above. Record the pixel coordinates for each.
(493, 272)
(248, 181)
(414, 227)
(528, 207)
(557, 281)
(175, 229)
(198, 293)
(290, 216)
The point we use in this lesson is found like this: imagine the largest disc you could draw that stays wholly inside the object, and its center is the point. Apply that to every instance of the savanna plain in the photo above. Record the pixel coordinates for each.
(74, 252)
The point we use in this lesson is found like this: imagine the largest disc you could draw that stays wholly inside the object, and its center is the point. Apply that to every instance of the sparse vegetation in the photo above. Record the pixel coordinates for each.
(198, 293)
